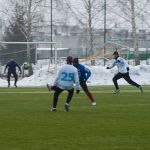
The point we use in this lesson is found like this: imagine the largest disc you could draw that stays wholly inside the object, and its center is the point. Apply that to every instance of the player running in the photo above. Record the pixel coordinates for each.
(84, 74)
(123, 69)
(12, 65)
(65, 79)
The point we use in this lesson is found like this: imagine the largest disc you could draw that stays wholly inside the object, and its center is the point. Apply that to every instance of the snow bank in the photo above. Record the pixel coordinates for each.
(100, 76)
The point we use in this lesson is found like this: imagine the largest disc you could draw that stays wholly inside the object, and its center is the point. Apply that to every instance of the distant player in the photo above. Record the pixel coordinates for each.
(67, 76)
(12, 65)
(123, 69)
(84, 74)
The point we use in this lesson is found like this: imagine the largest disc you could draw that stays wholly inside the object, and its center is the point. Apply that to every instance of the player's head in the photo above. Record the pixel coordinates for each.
(75, 61)
(69, 60)
(115, 55)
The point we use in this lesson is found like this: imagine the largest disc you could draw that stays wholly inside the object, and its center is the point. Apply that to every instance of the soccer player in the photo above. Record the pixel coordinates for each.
(12, 65)
(84, 74)
(123, 69)
(65, 79)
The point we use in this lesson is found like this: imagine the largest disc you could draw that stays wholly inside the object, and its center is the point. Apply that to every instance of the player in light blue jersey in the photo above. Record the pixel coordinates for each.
(66, 77)
(123, 72)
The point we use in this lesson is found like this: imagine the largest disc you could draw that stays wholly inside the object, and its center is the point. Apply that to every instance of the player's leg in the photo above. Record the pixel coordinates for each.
(69, 98)
(8, 78)
(16, 78)
(115, 78)
(88, 93)
(51, 88)
(130, 81)
(55, 98)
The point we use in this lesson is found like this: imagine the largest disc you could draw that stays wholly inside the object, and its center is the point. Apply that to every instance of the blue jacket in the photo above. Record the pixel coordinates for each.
(12, 67)
(84, 73)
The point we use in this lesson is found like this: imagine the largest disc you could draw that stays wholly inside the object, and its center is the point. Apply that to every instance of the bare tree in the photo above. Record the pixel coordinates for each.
(32, 8)
(134, 33)
(87, 14)
(131, 11)
(88, 6)
(32, 17)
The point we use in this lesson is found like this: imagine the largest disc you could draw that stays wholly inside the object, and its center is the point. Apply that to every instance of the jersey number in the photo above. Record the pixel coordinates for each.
(67, 76)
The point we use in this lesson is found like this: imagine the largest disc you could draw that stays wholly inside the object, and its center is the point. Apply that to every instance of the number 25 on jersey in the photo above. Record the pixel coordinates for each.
(67, 76)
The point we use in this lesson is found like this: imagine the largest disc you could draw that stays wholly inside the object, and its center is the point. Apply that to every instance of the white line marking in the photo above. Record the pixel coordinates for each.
(96, 92)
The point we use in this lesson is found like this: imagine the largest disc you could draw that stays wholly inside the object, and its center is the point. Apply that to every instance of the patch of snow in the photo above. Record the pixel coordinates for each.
(100, 75)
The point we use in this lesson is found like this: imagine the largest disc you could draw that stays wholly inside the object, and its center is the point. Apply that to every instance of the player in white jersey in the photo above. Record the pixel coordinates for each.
(123, 72)
(66, 77)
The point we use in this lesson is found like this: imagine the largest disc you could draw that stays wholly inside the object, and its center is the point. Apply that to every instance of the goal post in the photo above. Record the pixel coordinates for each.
(35, 45)
(19, 51)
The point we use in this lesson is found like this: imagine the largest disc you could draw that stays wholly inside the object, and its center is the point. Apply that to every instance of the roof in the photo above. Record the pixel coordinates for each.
(140, 49)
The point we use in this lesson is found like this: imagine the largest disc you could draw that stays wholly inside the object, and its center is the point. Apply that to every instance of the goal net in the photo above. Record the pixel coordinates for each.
(28, 52)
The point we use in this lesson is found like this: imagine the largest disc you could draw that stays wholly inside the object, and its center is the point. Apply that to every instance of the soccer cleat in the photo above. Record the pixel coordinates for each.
(141, 88)
(116, 91)
(15, 85)
(53, 109)
(93, 103)
(66, 107)
(8, 85)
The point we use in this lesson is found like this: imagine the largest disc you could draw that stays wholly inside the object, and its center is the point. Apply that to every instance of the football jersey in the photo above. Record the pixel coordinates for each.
(84, 73)
(66, 77)
(121, 64)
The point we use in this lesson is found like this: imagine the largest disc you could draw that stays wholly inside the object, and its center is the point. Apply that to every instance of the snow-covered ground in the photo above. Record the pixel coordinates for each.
(100, 75)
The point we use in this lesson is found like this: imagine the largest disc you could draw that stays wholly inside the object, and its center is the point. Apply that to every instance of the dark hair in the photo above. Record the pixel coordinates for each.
(76, 60)
(116, 53)
(69, 60)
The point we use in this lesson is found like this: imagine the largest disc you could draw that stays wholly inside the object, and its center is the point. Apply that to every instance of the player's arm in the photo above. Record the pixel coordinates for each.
(113, 65)
(127, 66)
(57, 78)
(6, 67)
(77, 81)
(88, 73)
(19, 68)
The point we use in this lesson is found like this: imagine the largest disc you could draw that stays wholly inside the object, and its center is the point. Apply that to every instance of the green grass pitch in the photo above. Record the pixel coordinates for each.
(118, 122)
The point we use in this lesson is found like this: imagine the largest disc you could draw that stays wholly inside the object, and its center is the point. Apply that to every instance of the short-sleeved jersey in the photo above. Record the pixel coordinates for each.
(84, 73)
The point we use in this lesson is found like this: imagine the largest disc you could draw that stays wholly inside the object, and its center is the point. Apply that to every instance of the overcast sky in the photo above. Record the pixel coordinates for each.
(113, 13)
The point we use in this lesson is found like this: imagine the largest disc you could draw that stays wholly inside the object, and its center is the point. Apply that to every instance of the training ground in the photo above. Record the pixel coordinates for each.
(118, 122)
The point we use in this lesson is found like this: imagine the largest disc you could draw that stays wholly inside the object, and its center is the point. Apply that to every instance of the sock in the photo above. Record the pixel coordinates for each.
(67, 104)
(90, 96)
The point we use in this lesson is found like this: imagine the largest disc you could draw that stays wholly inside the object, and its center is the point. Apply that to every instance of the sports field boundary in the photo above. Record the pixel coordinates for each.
(96, 92)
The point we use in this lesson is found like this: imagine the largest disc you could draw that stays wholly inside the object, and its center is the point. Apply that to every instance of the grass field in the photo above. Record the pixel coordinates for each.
(118, 122)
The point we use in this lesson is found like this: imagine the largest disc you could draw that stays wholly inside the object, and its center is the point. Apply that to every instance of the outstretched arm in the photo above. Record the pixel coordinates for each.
(127, 66)
(5, 68)
(19, 68)
(113, 65)
(77, 81)
(88, 73)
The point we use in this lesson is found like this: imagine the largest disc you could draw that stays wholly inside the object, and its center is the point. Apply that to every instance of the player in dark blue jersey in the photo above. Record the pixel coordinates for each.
(84, 74)
(12, 65)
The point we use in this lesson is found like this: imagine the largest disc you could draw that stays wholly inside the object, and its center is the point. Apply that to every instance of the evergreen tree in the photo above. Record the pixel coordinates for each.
(15, 32)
